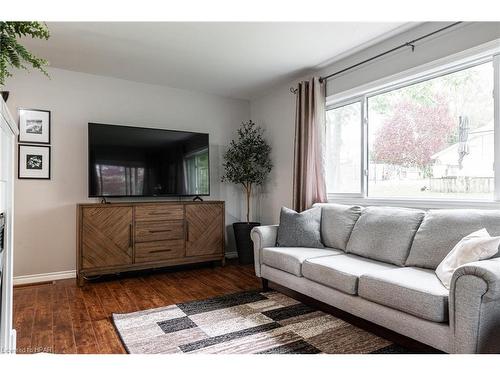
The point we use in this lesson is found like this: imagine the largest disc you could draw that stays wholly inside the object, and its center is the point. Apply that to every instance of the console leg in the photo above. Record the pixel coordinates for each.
(265, 285)
(80, 280)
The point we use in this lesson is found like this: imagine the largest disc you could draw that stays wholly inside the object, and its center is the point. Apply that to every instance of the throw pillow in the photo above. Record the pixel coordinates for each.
(476, 246)
(300, 229)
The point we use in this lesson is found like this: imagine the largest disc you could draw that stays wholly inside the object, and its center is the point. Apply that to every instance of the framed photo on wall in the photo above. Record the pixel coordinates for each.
(33, 162)
(34, 126)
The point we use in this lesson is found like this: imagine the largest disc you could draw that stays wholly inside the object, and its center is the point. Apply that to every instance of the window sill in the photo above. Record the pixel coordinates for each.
(415, 203)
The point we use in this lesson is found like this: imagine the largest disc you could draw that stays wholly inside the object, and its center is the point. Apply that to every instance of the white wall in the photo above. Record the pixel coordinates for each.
(45, 211)
(275, 111)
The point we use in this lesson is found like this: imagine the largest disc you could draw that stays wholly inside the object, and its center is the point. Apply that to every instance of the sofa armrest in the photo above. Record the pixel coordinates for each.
(263, 236)
(475, 307)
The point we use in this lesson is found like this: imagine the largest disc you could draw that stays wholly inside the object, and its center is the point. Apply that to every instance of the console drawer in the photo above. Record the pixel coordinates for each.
(159, 212)
(159, 231)
(159, 250)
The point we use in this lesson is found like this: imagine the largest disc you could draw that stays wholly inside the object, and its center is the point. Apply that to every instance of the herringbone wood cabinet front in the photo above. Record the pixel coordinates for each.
(119, 237)
(203, 229)
(107, 236)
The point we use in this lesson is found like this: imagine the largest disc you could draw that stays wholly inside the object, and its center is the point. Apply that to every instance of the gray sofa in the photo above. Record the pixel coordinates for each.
(378, 263)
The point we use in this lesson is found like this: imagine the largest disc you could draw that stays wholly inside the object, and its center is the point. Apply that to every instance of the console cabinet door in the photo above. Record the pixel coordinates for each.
(204, 229)
(107, 236)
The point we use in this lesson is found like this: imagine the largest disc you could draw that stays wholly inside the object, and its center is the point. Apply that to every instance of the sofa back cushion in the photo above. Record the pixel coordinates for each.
(441, 230)
(337, 222)
(300, 229)
(385, 233)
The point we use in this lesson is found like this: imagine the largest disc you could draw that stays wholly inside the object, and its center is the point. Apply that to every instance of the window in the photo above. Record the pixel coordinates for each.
(434, 138)
(431, 137)
(343, 140)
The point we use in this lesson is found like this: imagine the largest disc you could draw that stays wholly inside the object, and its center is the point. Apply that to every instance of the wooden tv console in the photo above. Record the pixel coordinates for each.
(119, 237)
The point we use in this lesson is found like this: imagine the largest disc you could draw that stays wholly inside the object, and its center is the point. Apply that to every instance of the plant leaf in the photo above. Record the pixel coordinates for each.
(13, 54)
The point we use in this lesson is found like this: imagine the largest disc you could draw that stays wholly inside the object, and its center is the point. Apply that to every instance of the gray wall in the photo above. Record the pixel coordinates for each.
(45, 211)
(275, 111)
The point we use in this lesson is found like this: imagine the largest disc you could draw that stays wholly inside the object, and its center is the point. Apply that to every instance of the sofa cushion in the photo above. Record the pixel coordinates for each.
(337, 221)
(385, 233)
(290, 259)
(416, 291)
(300, 229)
(341, 271)
(441, 230)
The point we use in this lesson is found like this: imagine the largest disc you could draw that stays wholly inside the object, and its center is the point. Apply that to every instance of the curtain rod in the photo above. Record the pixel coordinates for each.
(411, 44)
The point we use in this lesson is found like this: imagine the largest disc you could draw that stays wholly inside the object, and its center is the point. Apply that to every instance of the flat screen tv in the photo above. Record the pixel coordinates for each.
(127, 161)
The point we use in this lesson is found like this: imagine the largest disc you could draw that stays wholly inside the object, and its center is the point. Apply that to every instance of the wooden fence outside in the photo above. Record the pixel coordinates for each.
(462, 184)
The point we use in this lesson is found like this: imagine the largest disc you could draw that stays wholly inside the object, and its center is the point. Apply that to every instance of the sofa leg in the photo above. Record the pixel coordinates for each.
(265, 285)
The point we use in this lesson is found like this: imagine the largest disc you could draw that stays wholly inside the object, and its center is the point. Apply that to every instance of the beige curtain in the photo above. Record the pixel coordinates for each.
(308, 172)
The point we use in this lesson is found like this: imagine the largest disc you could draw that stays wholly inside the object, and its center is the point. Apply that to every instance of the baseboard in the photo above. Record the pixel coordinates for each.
(231, 255)
(52, 276)
(44, 277)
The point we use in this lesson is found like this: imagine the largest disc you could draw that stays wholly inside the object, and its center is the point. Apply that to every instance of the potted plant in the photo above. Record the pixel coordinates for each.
(15, 55)
(247, 163)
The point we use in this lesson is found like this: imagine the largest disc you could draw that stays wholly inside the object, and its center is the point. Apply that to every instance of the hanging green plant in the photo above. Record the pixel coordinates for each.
(15, 55)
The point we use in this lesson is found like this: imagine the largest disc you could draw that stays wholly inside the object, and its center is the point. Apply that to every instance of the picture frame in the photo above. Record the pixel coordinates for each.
(34, 126)
(33, 162)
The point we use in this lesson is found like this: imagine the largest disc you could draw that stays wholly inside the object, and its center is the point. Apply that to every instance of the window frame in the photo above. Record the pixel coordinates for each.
(488, 52)
(363, 136)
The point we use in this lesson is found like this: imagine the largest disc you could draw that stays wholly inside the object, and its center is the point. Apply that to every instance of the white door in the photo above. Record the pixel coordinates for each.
(8, 132)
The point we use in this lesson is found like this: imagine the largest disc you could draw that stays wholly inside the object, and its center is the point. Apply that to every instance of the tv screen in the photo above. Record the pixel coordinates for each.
(127, 161)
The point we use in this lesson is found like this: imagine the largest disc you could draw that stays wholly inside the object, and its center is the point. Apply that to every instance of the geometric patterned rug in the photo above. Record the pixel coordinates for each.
(244, 323)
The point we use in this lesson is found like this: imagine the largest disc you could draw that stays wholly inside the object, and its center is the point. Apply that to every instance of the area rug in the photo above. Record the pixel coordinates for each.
(244, 323)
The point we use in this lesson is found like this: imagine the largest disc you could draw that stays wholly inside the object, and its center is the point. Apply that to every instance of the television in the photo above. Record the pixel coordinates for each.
(128, 161)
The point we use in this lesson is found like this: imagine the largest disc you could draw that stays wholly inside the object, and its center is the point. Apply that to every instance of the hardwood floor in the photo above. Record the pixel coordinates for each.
(62, 318)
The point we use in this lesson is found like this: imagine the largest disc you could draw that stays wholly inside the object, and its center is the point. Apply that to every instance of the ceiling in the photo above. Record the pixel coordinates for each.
(238, 60)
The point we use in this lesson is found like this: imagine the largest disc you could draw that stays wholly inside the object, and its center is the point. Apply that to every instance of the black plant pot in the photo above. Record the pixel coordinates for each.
(244, 244)
(5, 95)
